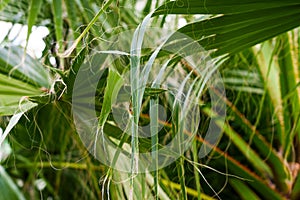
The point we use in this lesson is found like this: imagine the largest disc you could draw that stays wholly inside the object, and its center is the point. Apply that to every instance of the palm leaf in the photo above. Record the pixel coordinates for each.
(235, 25)
(15, 63)
(20, 77)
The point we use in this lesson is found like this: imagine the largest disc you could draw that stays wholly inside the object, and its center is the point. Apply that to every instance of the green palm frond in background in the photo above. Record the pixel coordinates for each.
(258, 156)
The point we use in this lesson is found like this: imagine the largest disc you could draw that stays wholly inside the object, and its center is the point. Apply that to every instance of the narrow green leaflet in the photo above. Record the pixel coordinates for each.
(58, 22)
(13, 121)
(72, 13)
(296, 188)
(153, 91)
(237, 24)
(34, 10)
(114, 83)
(243, 190)
(220, 6)
(9, 189)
